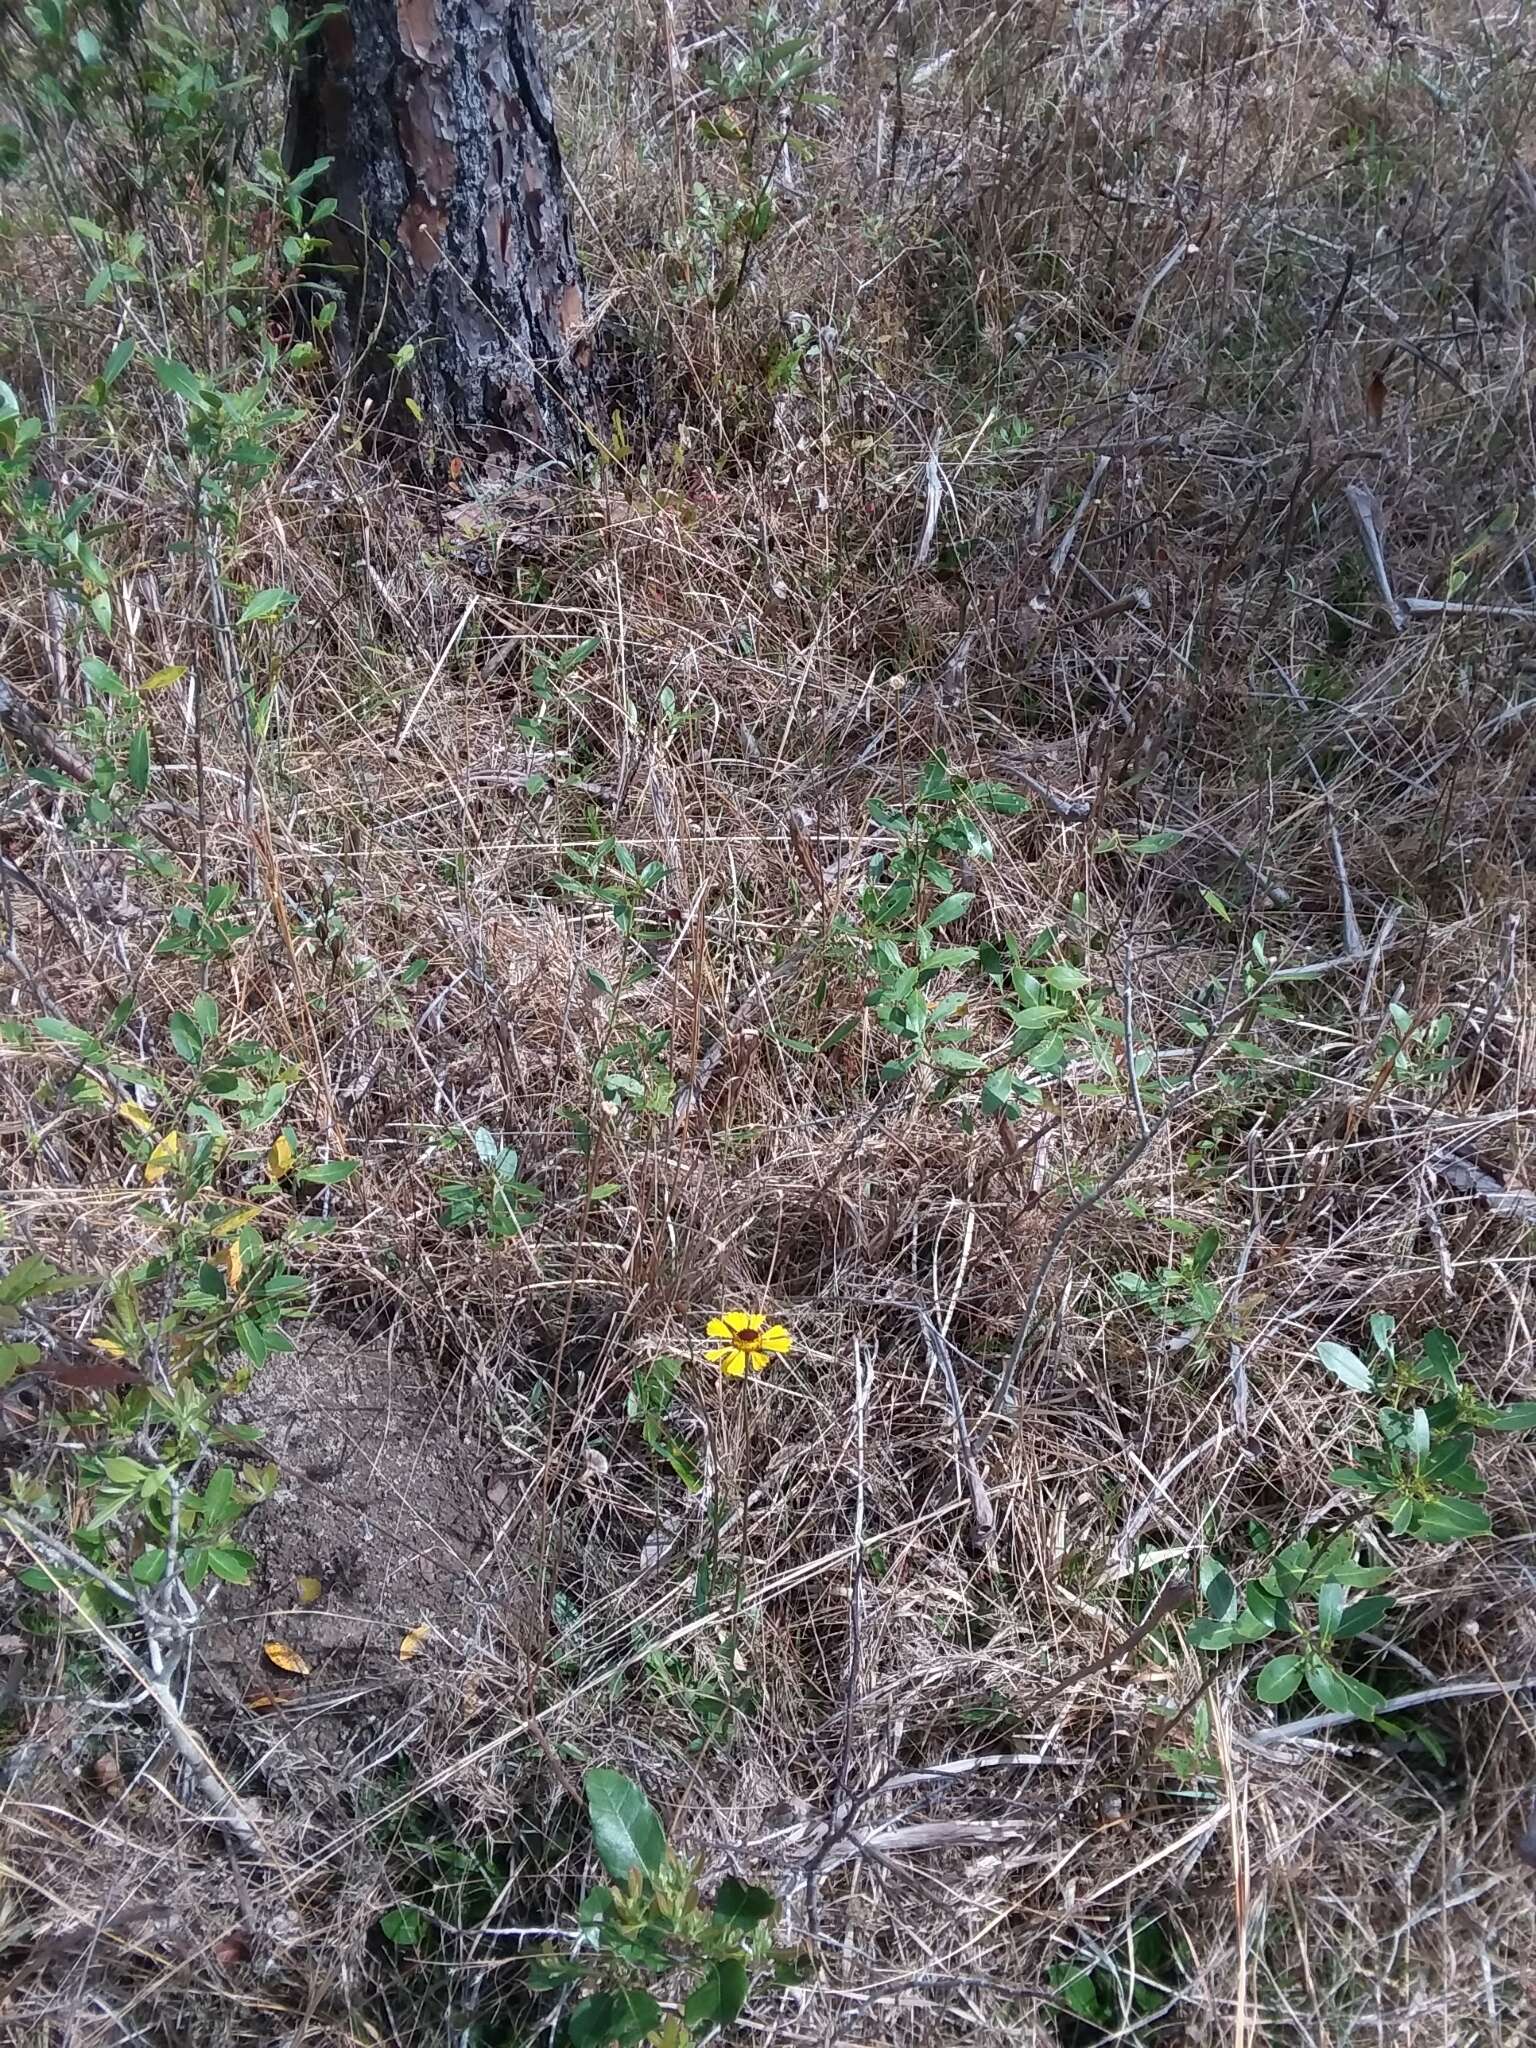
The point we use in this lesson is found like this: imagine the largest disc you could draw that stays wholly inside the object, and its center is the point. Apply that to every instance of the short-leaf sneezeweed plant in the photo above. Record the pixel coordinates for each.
(745, 1339)
(649, 1932)
(1419, 1478)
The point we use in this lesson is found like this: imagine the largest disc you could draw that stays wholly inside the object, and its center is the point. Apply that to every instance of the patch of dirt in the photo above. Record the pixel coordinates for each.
(383, 1502)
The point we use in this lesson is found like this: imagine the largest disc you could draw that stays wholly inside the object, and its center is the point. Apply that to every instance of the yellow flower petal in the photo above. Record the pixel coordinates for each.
(717, 1326)
(743, 1323)
(162, 1159)
(730, 1361)
(776, 1338)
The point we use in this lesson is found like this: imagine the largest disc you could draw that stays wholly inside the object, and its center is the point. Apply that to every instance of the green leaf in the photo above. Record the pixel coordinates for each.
(1220, 1593)
(1448, 1521)
(227, 1561)
(1279, 1678)
(138, 760)
(118, 361)
(1078, 1992)
(185, 1037)
(177, 378)
(267, 604)
(219, 1498)
(741, 1907)
(1441, 1354)
(405, 1926)
(101, 677)
(1288, 1574)
(952, 907)
(793, 1966)
(1345, 1366)
(718, 1998)
(998, 799)
(1153, 842)
(625, 1828)
(1211, 1635)
(328, 1173)
(613, 2019)
(205, 1014)
(1341, 1694)
(1518, 1415)
(951, 1059)
(62, 1032)
(149, 1566)
(1330, 1609)
(1363, 1614)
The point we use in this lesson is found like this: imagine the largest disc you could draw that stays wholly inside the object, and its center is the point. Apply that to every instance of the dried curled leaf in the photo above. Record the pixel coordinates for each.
(280, 1156)
(230, 1263)
(269, 1702)
(286, 1658)
(414, 1641)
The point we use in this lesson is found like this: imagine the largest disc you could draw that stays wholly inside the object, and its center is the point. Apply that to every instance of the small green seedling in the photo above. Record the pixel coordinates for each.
(1420, 1480)
(497, 1201)
(650, 1397)
(1419, 1471)
(656, 1962)
(1182, 1296)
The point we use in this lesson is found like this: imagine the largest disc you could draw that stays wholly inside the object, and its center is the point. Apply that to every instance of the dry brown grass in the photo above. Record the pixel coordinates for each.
(980, 240)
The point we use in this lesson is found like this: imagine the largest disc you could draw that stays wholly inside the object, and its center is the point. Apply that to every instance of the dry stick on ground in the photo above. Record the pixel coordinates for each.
(408, 717)
(1452, 1689)
(983, 1515)
(1177, 1593)
(1363, 504)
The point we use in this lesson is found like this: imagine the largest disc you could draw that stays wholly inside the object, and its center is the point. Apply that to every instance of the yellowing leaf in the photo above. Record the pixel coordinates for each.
(163, 678)
(286, 1658)
(280, 1156)
(309, 1590)
(232, 1225)
(230, 1263)
(163, 1158)
(131, 1113)
(414, 1641)
(110, 1345)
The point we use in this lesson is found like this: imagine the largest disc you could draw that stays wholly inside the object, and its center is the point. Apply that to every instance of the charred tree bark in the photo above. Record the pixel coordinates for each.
(451, 230)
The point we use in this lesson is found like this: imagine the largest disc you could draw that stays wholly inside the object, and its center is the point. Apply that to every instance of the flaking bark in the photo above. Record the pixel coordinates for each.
(451, 227)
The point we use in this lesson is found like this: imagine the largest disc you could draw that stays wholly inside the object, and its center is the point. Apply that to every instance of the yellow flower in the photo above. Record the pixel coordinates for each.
(745, 1339)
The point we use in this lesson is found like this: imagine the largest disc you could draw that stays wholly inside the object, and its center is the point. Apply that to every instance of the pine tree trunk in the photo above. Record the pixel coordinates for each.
(451, 224)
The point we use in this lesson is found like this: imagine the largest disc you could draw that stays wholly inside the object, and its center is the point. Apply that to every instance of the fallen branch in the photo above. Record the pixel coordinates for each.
(24, 722)
(1453, 1689)
(983, 1515)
